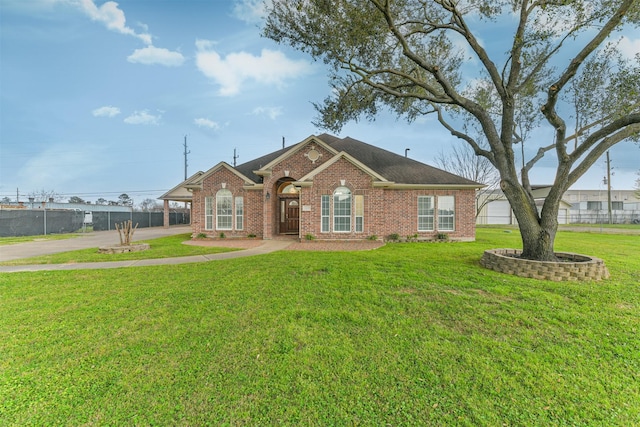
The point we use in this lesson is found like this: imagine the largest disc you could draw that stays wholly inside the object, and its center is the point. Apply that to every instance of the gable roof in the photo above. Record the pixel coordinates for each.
(396, 168)
(341, 155)
(179, 193)
(379, 163)
(197, 182)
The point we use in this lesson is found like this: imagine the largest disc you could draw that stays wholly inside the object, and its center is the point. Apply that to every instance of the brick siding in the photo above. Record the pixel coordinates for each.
(386, 211)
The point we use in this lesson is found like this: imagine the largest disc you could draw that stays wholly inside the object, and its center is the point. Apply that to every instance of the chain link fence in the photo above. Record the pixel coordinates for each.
(35, 222)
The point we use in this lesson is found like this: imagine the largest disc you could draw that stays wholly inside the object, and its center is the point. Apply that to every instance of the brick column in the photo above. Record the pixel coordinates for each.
(165, 219)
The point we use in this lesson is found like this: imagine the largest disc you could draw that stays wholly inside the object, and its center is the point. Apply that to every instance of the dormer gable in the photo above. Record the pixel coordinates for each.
(197, 183)
(311, 142)
(307, 180)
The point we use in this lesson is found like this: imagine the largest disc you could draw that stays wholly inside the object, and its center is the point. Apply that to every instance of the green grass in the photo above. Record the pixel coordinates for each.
(619, 226)
(163, 247)
(409, 334)
(23, 239)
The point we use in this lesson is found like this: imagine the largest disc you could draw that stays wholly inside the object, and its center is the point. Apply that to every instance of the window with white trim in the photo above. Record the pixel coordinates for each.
(239, 213)
(208, 213)
(446, 213)
(342, 210)
(224, 210)
(358, 201)
(425, 213)
(324, 213)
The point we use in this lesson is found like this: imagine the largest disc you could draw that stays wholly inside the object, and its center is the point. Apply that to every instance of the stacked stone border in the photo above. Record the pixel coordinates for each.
(137, 247)
(572, 267)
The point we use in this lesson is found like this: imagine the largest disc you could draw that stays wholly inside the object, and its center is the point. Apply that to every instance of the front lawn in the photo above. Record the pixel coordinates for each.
(163, 247)
(408, 334)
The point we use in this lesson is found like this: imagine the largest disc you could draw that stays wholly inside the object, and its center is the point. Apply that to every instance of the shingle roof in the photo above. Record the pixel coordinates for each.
(253, 165)
(393, 167)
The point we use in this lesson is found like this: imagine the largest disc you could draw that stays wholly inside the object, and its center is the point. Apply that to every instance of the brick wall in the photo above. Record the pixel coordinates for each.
(294, 167)
(386, 211)
(252, 205)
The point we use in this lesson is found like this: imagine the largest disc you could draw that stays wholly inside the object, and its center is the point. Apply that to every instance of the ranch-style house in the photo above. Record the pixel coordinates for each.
(327, 187)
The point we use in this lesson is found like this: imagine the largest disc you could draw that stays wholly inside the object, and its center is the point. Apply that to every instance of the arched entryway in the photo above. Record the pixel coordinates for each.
(288, 215)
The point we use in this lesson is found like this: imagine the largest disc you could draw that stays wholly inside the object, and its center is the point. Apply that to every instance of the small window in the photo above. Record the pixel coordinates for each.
(324, 214)
(425, 213)
(359, 207)
(288, 188)
(446, 213)
(239, 213)
(617, 206)
(208, 213)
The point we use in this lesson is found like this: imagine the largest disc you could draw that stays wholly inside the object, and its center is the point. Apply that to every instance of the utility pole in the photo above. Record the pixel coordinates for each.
(609, 186)
(235, 157)
(185, 157)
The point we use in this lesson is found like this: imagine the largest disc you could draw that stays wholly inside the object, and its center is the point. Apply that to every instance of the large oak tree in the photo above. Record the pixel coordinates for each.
(560, 67)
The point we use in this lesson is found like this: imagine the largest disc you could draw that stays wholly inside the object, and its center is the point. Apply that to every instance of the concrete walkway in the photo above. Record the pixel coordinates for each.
(105, 238)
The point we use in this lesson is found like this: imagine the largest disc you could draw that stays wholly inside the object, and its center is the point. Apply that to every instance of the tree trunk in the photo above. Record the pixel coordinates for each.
(537, 242)
(538, 232)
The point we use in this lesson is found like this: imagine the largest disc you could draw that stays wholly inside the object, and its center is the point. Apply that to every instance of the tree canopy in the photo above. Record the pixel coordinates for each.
(554, 63)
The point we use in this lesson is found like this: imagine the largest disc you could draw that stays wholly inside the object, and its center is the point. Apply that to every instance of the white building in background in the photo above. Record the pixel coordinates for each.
(576, 207)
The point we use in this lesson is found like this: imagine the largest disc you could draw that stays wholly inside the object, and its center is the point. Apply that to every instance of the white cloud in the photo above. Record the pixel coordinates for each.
(142, 118)
(629, 47)
(271, 68)
(206, 123)
(251, 11)
(112, 17)
(271, 112)
(106, 111)
(155, 55)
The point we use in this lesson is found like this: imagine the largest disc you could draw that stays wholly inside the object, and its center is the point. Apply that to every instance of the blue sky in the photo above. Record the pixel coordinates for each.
(97, 97)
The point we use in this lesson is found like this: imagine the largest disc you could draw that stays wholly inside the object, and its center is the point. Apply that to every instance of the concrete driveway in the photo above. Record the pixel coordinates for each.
(105, 238)
(83, 241)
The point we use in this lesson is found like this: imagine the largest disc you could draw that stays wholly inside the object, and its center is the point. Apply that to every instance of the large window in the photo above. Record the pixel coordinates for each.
(594, 206)
(342, 210)
(324, 213)
(425, 213)
(224, 210)
(208, 213)
(239, 213)
(359, 207)
(446, 213)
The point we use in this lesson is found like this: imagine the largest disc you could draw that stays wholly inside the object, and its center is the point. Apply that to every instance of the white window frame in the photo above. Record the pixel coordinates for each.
(239, 210)
(325, 213)
(208, 213)
(424, 215)
(451, 215)
(343, 215)
(358, 202)
(222, 213)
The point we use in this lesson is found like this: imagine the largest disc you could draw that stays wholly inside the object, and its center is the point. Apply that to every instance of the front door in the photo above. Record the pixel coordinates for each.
(289, 216)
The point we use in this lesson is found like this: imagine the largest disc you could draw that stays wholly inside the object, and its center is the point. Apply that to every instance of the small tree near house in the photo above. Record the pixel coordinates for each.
(125, 231)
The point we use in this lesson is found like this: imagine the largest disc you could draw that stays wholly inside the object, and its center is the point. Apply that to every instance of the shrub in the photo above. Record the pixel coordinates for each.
(412, 237)
(222, 235)
(201, 236)
(394, 237)
(309, 237)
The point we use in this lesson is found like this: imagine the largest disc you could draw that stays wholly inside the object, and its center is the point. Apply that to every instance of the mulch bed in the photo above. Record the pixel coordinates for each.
(320, 245)
(226, 243)
(314, 245)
